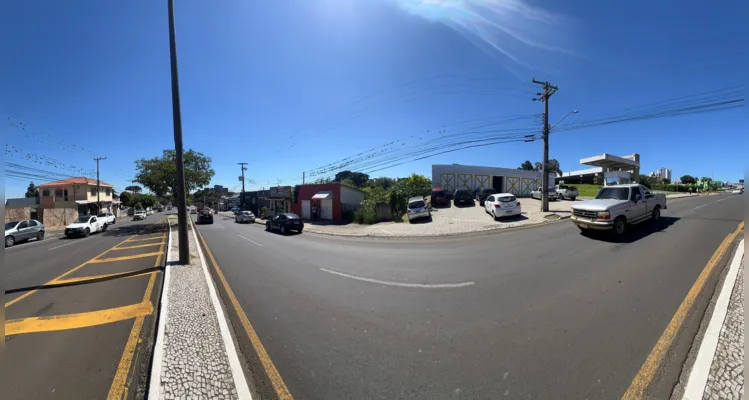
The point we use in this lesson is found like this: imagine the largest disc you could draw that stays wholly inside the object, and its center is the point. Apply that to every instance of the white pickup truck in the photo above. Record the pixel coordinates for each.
(615, 207)
(107, 218)
(85, 226)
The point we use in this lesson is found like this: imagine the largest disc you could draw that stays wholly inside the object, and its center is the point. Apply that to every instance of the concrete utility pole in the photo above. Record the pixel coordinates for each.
(180, 195)
(302, 178)
(544, 97)
(98, 188)
(241, 198)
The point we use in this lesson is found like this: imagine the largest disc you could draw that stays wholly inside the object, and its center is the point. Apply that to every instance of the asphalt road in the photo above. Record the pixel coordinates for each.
(538, 313)
(87, 334)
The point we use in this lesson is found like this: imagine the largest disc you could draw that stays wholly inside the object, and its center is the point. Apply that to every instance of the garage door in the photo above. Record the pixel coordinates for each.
(481, 181)
(465, 181)
(447, 181)
(326, 209)
(305, 209)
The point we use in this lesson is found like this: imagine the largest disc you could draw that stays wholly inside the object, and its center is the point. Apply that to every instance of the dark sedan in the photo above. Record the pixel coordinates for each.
(482, 194)
(205, 217)
(285, 223)
(462, 197)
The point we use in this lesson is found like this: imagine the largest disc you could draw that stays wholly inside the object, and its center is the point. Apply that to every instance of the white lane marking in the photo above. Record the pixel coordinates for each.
(67, 244)
(250, 240)
(698, 377)
(725, 198)
(702, 206)
(401, 284)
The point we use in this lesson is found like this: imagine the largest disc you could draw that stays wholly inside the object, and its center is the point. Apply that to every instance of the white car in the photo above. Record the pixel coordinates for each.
(737, 191)
(85, 226)
(149, 212)
(107, 218)
(139, 215)
(245, 216)
(418, 208)
(553, 195)
(502, 205)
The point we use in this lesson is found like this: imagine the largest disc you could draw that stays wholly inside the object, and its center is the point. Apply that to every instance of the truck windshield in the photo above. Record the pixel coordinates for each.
(614, 193)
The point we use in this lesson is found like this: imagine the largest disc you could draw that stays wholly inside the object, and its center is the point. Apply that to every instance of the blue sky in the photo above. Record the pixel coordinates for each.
(289, 86)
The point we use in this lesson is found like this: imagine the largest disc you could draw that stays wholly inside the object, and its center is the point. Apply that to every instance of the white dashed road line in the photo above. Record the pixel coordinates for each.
(67, 244)
(400, 284)
(250, 240)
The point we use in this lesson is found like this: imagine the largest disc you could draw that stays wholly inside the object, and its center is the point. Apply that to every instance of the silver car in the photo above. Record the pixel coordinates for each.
(21, 231)
(417, 208)
(553, 195)
(245, 216)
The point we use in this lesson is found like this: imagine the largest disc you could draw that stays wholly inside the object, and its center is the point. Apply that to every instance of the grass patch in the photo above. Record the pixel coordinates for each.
(586, 190)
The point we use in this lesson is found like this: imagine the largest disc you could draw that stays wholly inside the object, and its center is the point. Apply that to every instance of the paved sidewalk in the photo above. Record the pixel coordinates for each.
(194, 356)
(718, 370)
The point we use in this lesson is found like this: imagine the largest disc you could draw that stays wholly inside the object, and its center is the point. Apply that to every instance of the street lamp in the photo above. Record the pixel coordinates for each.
(562, 119)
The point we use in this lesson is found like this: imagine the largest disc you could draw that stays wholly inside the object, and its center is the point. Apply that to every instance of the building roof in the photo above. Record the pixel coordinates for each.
(609, 161)
(22, 202)
(73, 181)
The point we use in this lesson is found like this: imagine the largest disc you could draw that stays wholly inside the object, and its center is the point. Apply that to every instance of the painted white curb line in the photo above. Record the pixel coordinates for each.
(697, 380)
(243, 390)
(158, 349)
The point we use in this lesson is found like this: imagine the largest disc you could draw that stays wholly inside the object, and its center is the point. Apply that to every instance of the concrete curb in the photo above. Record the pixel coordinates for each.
(698, 376)
(158, 348)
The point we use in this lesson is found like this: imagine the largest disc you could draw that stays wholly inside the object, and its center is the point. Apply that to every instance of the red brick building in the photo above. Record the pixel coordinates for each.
(331, 199)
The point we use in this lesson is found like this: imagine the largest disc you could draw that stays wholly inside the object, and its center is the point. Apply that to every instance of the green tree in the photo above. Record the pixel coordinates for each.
(134, 189)
(32, 191)
(359, 179)
(382, 182)
(688, 179)
(598, 179)
(526, 166)
(553, 167)
(159, 174)
(126, 198)
(147, 200)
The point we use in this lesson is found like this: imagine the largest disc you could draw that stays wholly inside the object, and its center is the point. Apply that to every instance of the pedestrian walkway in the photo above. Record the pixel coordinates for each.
(718, 371)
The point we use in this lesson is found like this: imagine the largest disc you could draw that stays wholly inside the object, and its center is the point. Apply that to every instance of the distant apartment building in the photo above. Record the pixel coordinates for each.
(664, 173)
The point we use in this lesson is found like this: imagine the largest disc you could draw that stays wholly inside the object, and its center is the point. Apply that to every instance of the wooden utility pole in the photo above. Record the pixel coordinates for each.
(98, 188)
(544, 97)
(241, 198)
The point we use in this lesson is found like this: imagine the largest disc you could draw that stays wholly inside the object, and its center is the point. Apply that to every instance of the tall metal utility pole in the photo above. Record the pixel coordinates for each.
(98, 188)
(548, 91)
(302, 178)
(180, 195)
(241, 198)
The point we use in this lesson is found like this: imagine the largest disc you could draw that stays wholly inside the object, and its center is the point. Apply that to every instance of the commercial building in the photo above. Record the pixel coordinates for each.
(331, 199)
(79, 194)
(612, 169)
(507, 180)
(664, 173)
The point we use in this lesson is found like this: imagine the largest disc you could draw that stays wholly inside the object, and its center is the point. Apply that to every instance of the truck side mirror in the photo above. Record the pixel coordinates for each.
(638, 197)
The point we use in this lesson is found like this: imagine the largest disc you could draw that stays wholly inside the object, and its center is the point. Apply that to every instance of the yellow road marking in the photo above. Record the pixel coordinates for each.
(95, 277)
(143, 240)
(282, 392)
(647, 371)
(119, 387)
(79, 320)
(138, 246)
(123, 258)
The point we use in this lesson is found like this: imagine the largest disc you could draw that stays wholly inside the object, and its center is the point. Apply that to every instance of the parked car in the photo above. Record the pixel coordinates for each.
(615, 207)
(107, 218)
(85, 226)
(462, 196)
(235, 210)
(553, 195)
(149, 211)
(139, 215)
(205, 217)
(502, 205)
(168, 208)
(21, 231)
(284, 223)
(245, 216)
(439, 197)
(482, 194)
(193, 210)
(738, 191)
(417, 208)
(567, 192)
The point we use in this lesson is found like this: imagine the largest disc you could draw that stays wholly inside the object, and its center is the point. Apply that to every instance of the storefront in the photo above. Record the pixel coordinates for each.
(326, 202)
(279, 200)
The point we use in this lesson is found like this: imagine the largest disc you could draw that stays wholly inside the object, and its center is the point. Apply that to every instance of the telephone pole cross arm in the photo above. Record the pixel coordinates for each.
(549, 90)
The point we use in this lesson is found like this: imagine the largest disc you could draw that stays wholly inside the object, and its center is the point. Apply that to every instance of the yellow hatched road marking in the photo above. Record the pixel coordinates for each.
(75, 321)
(123, 258)
(139, 246)
(143, 240)
(645, 376)
(104, 276)
(282, 392)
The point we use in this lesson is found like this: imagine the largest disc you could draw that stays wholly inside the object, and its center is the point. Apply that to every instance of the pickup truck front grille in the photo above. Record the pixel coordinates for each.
(584, 213)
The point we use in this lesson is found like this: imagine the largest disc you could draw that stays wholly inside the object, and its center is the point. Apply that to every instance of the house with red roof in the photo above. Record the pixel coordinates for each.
(80, 194)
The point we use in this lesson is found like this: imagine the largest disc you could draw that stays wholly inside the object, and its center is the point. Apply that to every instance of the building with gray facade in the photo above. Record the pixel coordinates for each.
(506, 180)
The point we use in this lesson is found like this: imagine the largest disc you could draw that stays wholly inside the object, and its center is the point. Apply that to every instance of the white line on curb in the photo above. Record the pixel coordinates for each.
(701, 370)
(250, 240)
(243, 390)
(158, 348)
(401, 284)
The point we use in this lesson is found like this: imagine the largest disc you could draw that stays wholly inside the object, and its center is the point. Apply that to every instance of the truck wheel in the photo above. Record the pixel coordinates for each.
(656, 214)
(620, 226)
(572, 198)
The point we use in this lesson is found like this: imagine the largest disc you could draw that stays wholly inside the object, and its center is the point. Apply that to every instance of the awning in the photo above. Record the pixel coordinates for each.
(81, 202)
(326, 194)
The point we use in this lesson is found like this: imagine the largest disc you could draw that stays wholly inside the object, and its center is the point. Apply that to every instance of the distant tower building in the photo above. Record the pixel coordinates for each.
(218, 188)
(664, 173)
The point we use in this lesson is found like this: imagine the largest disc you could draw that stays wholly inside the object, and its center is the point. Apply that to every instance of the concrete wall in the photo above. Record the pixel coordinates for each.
(515, 181)
(57, 218)
(351, 197)
(17, 214)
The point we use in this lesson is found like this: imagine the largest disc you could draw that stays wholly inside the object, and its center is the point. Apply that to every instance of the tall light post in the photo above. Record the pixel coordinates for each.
(562, 119)
(184, 249)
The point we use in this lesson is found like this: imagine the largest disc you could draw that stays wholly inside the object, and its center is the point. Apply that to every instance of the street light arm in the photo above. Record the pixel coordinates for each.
(562, 119)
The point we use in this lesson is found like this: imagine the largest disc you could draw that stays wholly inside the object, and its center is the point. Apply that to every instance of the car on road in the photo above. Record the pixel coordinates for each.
(108, 218)
(85, 226)
(205, 217)
(439, 197)
(169, 208)
(149, 211)
(21, 231)
(245, 216)
(463, 197)
(139, 215)
(417, 208)
(618, 206)
(553, 195)
(502, 205)
(567, 192)
(234, 210)
(193, 210)
(285, 223)
(737, 191)
(482, 194)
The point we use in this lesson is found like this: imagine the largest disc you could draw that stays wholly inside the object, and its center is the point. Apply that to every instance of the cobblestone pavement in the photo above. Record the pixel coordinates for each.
(726, 379)
(195, 363)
